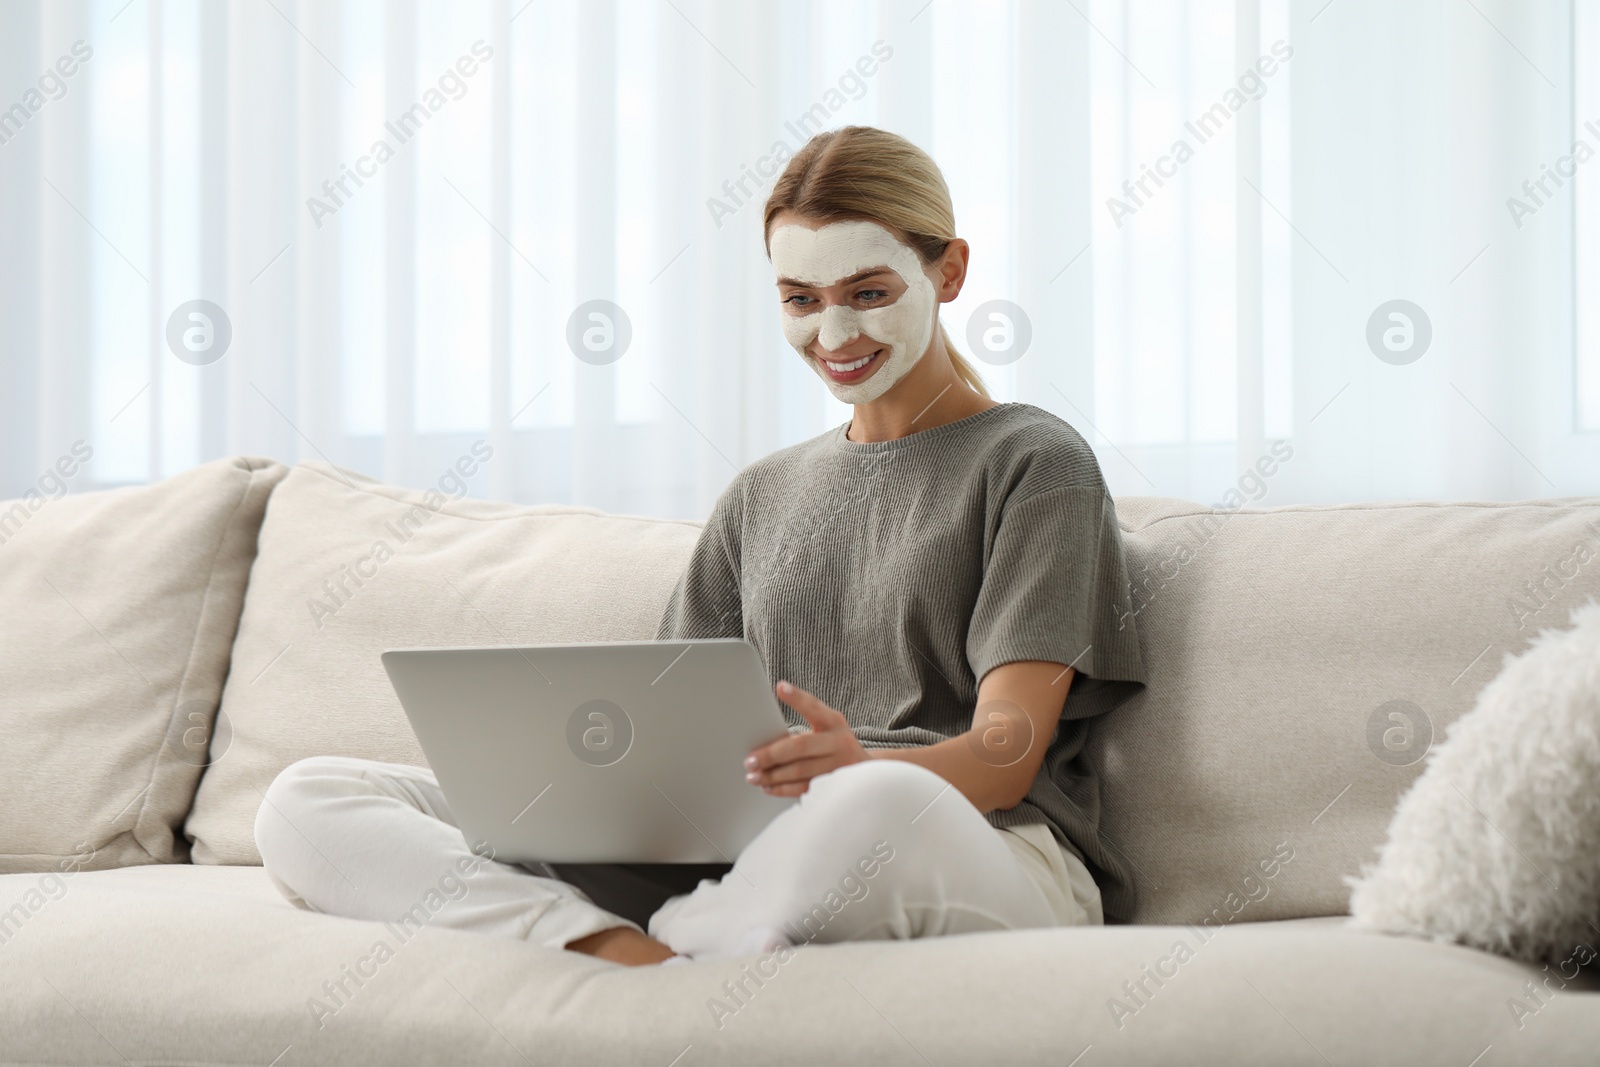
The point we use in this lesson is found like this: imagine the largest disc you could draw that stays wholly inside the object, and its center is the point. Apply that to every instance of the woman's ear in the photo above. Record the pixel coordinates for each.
(949, 273)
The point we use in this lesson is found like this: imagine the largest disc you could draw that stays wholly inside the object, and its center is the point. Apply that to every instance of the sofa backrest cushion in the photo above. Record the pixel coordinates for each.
(120, 610)
(1301, 660)
(349, 567)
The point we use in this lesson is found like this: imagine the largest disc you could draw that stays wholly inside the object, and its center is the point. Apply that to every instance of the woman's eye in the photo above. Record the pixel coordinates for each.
(872, 296)
(793, 297)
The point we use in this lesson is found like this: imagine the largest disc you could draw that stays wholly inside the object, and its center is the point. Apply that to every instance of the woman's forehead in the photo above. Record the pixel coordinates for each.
(837, 253)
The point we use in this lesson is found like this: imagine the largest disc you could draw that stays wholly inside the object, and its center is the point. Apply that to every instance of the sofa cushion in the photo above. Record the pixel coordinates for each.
(185, 964)
(349, 567)
(120, 610)
(1302, 660)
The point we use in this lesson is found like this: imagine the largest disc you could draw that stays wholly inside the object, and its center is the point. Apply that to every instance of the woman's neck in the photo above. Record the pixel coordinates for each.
(931, 394)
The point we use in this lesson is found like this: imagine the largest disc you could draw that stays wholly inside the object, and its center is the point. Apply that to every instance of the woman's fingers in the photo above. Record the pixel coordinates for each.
(788, 749)
(793, 747)
(786, 766)
(800, 771)
(813, 710)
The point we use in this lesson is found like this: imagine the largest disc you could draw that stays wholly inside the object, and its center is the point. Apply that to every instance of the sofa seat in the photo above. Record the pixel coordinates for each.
(188, 964)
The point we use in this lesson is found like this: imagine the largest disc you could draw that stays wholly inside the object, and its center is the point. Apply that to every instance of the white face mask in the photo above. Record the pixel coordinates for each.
(823, 257)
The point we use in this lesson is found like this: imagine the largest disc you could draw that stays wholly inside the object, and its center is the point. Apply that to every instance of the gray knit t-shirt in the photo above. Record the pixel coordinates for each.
(889, 577)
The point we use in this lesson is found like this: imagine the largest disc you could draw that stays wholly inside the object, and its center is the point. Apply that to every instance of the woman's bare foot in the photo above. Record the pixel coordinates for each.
(622, 944)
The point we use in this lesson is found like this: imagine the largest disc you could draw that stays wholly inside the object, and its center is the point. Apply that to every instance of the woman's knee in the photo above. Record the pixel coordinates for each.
(895, 804)
(292, 797)
(308, 778)
(889, 786)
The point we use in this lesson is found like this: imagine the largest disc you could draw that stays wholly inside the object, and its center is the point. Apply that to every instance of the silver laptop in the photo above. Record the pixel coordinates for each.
(596, 753)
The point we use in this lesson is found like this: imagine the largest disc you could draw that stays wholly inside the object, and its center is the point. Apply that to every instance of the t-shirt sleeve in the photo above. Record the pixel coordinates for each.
(1053, 587)
(706, 601)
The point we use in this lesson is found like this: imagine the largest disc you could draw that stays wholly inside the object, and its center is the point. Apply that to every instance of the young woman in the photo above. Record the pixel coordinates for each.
(933, 587)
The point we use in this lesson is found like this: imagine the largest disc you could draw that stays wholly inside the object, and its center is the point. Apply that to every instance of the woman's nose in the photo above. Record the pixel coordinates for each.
(840, 325)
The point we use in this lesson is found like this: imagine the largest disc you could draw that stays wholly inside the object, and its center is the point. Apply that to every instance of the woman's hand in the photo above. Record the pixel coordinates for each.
(785, 767)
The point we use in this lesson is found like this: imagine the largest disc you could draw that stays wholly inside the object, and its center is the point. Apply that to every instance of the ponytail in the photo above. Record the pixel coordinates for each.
(964, 370)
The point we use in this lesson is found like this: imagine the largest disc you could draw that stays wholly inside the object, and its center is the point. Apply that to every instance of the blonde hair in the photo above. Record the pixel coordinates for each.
(862, 172)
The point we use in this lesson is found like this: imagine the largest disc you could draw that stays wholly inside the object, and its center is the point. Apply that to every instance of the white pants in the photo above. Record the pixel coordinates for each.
(878, 849)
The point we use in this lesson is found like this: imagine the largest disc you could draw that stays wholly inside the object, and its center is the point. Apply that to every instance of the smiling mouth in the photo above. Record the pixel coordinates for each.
(851, 370)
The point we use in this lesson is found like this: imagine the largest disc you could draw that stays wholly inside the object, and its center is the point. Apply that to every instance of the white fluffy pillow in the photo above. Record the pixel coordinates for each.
(1497, 844)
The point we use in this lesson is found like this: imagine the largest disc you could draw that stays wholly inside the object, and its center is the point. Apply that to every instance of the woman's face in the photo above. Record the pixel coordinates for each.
(858, 304)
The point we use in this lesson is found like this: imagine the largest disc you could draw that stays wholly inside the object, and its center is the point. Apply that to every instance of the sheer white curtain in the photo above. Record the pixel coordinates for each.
(403, 212)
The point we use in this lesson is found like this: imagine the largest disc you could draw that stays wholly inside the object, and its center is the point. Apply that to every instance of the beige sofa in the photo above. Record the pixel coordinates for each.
(1301, 659)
